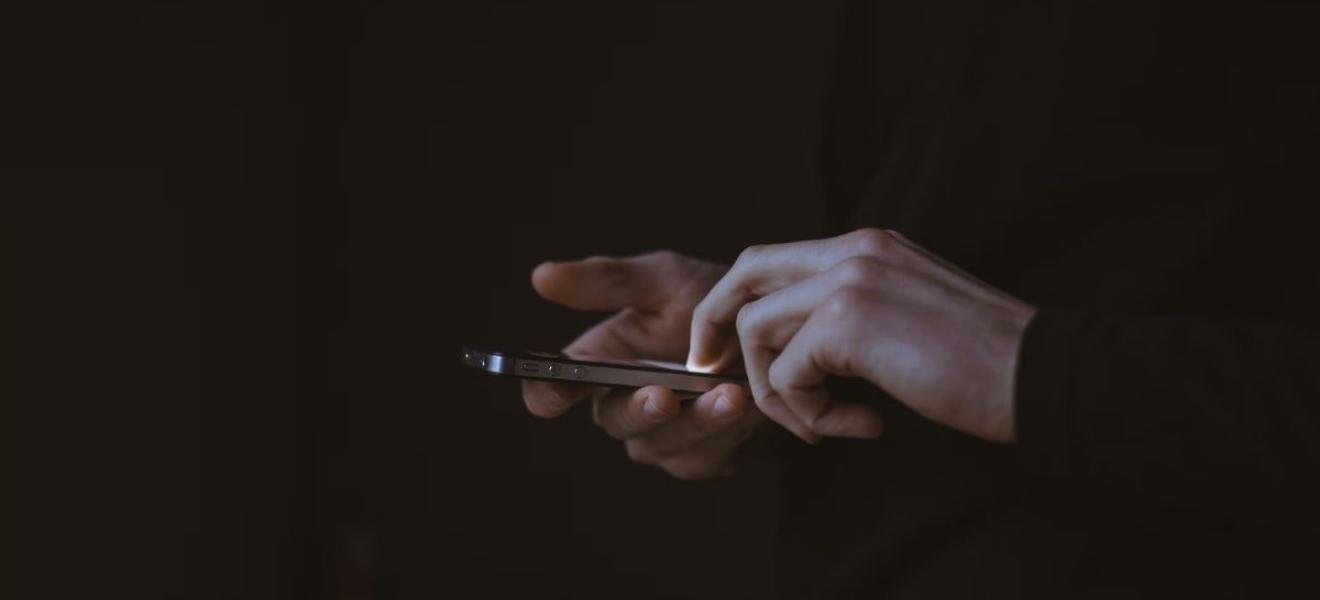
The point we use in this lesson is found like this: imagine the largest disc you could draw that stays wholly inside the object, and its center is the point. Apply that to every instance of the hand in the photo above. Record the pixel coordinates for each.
(654, 295)
(868, 304)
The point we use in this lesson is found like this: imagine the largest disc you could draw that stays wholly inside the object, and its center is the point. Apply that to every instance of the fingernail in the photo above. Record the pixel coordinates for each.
(651, 408)
(723, 407)
(694, 365)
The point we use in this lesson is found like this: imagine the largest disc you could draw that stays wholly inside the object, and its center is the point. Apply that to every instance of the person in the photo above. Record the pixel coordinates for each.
(1065, 344)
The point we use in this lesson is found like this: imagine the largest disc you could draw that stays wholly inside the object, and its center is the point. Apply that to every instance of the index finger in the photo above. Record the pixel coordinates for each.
(607, 283)
(760, 270)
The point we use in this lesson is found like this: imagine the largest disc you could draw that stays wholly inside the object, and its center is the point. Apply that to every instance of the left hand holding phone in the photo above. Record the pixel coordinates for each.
(653, 295)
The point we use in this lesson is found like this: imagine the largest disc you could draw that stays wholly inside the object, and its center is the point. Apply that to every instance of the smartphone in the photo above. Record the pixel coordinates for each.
(595, 370)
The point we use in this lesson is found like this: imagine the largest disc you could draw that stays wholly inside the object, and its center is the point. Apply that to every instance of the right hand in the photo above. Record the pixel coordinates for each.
(654, 295)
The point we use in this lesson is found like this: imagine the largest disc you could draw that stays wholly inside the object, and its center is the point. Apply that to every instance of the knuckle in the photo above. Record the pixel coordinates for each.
(861, 269)
(611, 269)
(750, 253)
(779, 379)
(768, 401)
(664, 259)
(746, 320)
(872, 241)
(667, 257)
(640, 452)
(845, 302)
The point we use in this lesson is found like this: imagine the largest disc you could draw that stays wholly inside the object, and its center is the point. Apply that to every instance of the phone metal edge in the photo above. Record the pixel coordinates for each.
(500, 364)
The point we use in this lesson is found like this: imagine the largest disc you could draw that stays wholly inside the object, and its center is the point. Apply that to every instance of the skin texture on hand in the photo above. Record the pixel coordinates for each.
(867, 304)
(653, 296)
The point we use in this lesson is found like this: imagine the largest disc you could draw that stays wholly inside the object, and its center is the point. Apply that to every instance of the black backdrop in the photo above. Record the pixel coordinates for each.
(245, 242)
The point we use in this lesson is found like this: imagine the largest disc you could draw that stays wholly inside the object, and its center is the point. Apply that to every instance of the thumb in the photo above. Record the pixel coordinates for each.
(605, 283)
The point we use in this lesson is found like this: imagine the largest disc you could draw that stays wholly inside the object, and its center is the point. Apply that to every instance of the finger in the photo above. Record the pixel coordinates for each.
(757, 360)
(798, 376)
(607, 283)
(626, 414)
(772, 321)
(612, 337)
(711, 457)
(549, 399)
(760, 270)
(767, 325)
(712, 413)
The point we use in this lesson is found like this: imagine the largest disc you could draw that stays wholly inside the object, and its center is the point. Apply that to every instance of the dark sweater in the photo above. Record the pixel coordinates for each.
(1143, 172)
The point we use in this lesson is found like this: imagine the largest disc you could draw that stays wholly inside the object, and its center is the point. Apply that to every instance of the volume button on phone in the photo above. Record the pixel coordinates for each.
(579, 372)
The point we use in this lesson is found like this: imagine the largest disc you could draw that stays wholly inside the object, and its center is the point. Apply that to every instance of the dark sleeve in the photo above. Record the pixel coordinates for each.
(1223, 417)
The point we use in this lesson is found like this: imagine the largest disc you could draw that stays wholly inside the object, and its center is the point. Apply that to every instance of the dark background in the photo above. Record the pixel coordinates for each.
(246, 240)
